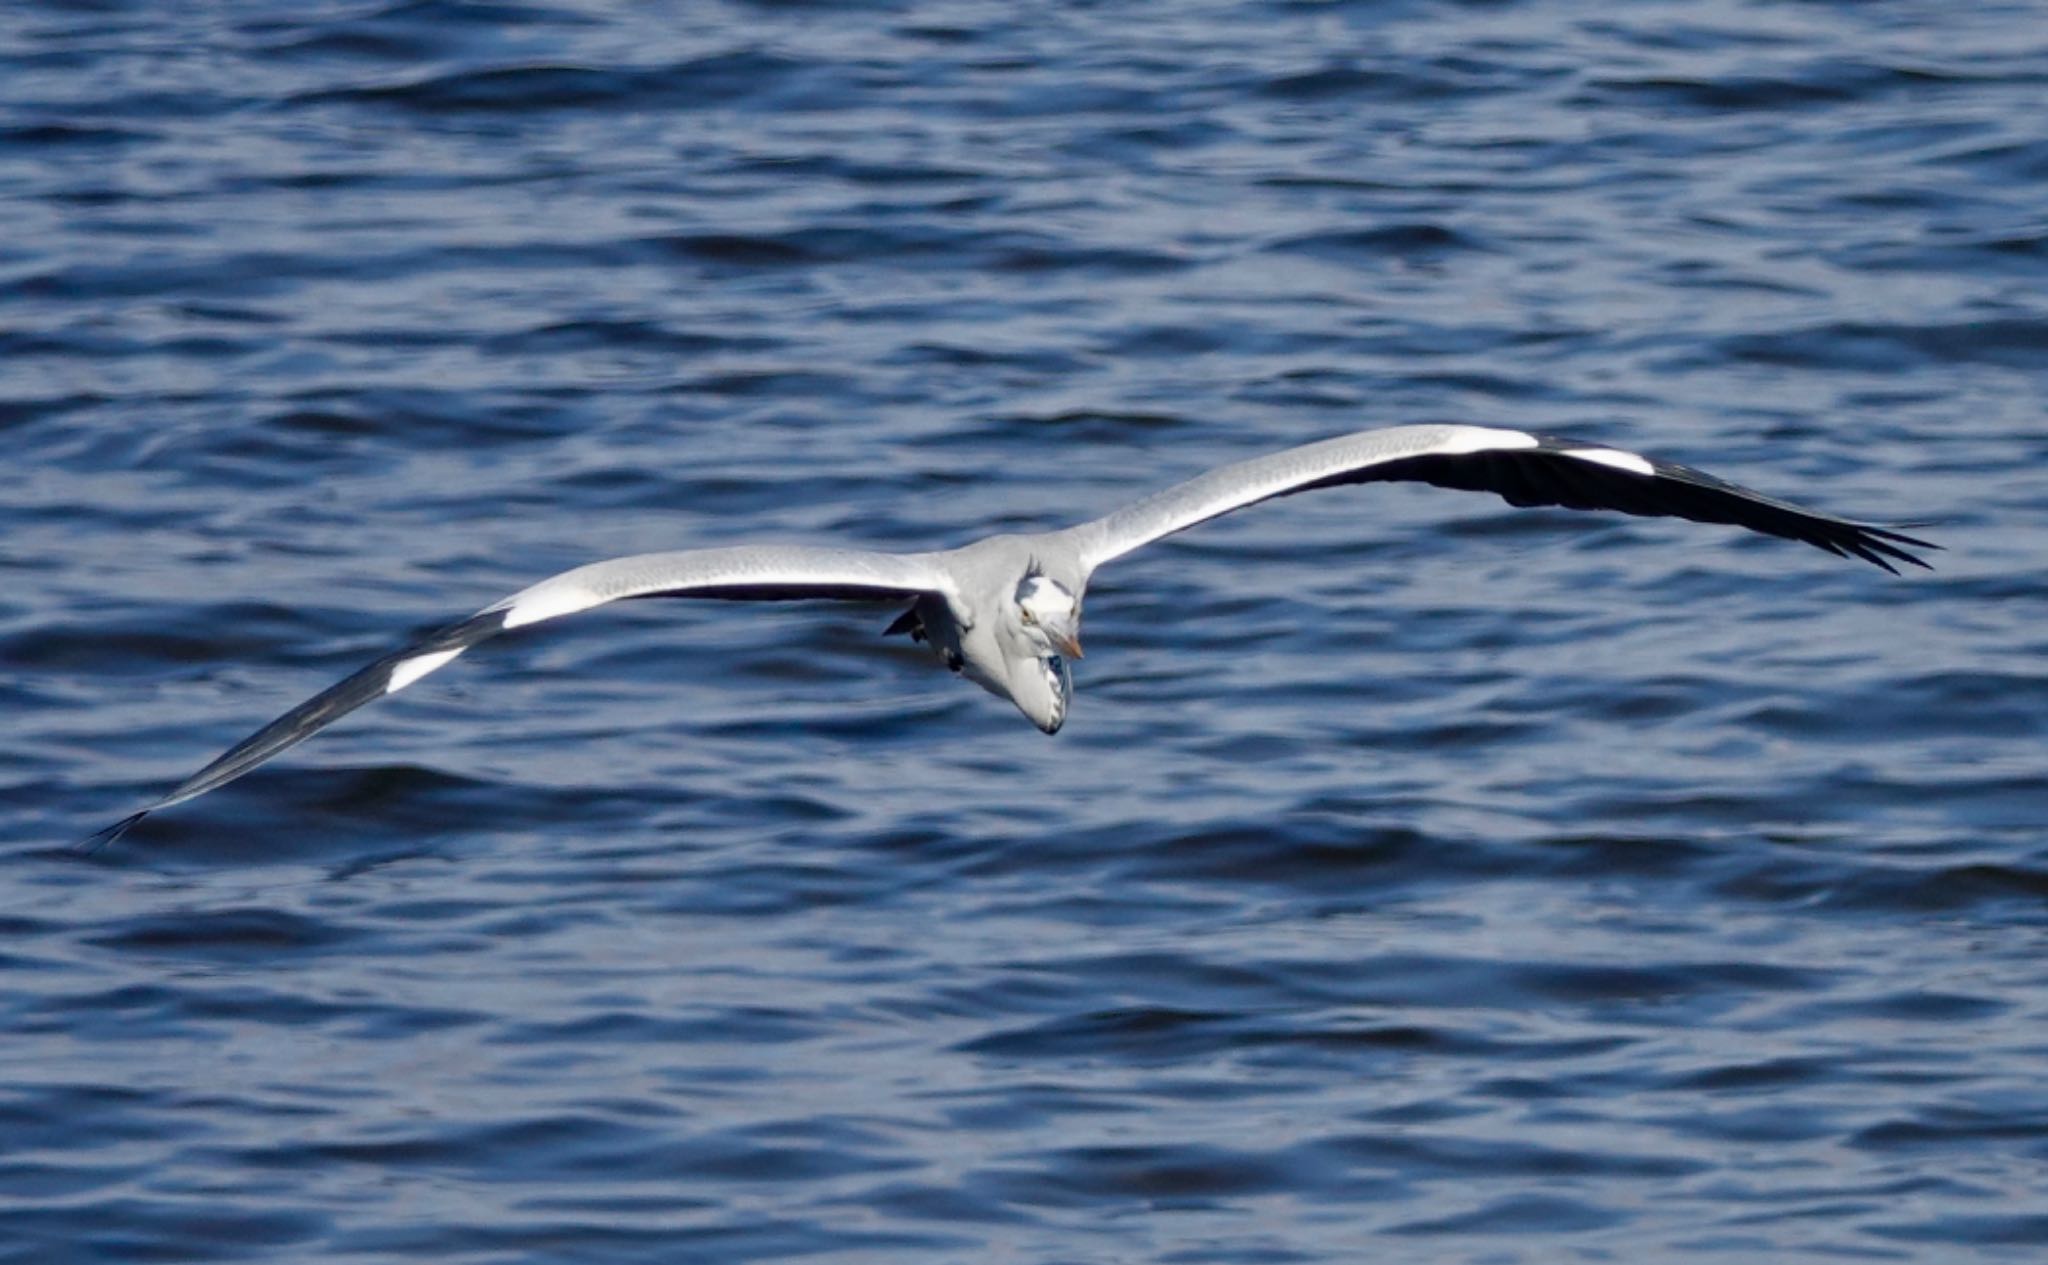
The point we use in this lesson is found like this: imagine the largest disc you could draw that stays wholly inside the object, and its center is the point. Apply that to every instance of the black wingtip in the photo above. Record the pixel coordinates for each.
(1887, 540)
(94, 842)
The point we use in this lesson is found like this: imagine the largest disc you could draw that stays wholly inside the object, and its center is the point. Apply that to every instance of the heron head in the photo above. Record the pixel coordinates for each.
(1050, 614)
(1043, 632)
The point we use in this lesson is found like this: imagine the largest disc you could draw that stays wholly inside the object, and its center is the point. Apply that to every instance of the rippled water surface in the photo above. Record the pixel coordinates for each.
(1417, 879)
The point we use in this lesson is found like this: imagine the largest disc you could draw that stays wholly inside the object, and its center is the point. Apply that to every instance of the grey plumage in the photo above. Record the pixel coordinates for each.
(1005, 610)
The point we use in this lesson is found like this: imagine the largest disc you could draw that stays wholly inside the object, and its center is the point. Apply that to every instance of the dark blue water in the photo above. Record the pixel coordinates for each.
(1417, 879)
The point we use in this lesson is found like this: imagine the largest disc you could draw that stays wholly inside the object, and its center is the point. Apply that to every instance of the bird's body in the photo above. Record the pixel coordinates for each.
(1005, 610)
(1010, 657)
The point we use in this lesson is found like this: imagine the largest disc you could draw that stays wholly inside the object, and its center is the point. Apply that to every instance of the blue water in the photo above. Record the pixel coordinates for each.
(1417, 879)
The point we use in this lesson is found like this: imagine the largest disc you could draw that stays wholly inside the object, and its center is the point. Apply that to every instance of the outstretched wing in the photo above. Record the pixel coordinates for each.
(1521, 468)
(748, 573)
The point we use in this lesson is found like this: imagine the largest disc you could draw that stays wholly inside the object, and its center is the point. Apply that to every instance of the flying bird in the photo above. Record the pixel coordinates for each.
(1005, 611)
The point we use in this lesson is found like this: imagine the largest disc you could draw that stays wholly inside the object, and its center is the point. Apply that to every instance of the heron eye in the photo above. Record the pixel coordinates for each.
(1029, 618)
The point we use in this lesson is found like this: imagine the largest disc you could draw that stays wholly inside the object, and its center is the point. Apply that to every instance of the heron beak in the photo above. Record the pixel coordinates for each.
(1067, 643)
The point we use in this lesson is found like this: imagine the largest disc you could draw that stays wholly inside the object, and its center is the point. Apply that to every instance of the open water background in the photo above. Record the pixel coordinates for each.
(1418, 880)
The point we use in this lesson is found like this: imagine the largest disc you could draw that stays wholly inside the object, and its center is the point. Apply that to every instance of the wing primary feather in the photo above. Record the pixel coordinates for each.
(1549, 476)
(101, 838)
(300, 723)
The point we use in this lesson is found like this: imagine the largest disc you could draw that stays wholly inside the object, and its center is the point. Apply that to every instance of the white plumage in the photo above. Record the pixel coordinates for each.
(1005, 611)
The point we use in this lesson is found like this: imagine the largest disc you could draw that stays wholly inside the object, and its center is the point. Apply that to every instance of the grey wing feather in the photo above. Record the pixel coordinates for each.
(757, 573)
(1523, 469)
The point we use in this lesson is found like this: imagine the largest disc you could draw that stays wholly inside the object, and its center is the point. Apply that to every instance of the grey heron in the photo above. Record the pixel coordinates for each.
(1005, 611)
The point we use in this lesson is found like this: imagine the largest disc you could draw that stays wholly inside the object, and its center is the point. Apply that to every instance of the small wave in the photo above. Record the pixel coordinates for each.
(229, 934)
(1421, 240)
(714, 80)
(1864, 347)
(1815, 83)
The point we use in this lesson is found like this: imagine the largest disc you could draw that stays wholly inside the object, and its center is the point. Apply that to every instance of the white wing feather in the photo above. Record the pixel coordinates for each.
(1522, 468)
(758, 572)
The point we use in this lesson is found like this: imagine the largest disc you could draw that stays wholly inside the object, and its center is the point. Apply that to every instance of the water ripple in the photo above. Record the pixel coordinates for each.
(1417, 880)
